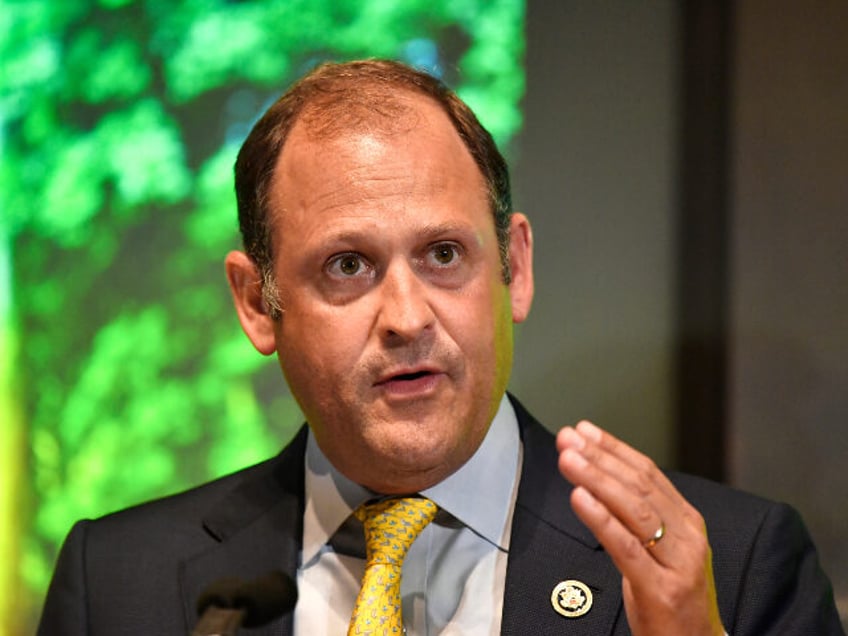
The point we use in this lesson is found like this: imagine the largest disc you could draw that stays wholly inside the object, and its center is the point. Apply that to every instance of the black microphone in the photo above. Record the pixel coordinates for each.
(230, 603)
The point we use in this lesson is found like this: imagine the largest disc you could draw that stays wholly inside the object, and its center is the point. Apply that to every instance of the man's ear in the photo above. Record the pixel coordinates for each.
(253, 312)
(521, 266)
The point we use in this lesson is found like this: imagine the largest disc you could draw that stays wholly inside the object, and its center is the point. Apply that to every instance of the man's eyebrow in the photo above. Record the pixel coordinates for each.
(343, 236)
(439, 229)
(428, 231)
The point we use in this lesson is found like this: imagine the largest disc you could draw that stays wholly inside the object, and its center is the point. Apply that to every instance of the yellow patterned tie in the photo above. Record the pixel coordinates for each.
(390, 528)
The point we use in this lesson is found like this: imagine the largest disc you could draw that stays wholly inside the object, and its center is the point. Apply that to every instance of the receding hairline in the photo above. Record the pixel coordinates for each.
(376, 109)
(400, 114)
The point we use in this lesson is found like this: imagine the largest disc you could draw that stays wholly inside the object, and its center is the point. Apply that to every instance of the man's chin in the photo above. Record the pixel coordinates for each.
(418, 454)
(404, 477)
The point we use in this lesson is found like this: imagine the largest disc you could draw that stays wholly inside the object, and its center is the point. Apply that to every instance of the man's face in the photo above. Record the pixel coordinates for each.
(396, 332)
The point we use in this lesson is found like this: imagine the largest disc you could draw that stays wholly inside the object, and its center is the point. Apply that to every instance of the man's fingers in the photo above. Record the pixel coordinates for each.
(633, 491)
(626, 551)
(641, 464)
(620, 460)
(633, 508)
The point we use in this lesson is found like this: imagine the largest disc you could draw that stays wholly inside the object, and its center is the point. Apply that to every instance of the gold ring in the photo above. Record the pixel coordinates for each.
(659, 534)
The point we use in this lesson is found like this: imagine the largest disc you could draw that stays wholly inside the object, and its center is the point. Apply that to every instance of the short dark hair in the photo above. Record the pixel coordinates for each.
(370, 85)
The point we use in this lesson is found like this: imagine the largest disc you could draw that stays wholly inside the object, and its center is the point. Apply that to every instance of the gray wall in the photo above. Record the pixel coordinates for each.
(595, 175)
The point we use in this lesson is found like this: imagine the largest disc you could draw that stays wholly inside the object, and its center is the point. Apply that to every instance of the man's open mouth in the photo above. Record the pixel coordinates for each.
(411, 376)
(406, 376)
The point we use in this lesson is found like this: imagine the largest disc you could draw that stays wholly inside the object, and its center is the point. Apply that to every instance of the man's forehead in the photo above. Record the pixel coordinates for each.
(365, 164)
(373, 135)
(362, 170)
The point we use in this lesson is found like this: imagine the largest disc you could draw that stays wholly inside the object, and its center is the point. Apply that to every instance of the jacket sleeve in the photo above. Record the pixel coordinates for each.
(65, 609)
(784, 590)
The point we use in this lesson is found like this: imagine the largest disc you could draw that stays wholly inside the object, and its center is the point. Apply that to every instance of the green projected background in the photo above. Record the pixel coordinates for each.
(123, 372)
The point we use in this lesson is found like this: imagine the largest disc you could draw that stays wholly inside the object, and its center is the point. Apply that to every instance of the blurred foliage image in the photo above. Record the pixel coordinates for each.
(124, 374)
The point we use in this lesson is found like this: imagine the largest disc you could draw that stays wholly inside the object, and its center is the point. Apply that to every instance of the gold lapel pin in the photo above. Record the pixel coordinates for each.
(571, 598)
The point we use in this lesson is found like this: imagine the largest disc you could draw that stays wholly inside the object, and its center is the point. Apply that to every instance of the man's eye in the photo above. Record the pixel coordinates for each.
(346, 265)
(444, 253)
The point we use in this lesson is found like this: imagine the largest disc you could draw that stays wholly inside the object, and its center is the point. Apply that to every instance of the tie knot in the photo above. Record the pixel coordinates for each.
(392, 525)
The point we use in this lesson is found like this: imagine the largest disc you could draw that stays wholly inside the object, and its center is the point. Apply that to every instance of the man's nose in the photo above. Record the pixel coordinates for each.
(405, 312)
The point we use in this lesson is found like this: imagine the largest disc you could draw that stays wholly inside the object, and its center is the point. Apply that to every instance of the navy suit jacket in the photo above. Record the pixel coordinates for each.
(140, 571)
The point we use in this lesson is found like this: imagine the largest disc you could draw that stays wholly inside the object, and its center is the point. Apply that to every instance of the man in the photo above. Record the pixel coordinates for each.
(384, 267)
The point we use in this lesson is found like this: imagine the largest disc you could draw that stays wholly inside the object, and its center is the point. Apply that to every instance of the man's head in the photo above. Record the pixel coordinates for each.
(336, 97)
(394, 328)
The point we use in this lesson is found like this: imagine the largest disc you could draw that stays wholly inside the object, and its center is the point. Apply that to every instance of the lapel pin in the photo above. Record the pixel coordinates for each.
(571, 598)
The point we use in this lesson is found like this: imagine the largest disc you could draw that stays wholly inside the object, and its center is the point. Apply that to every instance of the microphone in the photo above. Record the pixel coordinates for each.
(230, 603)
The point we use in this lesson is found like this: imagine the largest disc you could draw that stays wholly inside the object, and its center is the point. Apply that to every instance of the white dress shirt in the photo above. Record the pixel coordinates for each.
(452, 577)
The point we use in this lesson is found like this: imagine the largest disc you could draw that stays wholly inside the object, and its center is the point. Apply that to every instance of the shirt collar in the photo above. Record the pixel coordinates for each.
(490, 476)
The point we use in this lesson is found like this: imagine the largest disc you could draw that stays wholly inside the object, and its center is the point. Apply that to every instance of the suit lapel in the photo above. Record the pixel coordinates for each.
(549, 545)
(257, 528)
